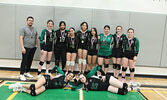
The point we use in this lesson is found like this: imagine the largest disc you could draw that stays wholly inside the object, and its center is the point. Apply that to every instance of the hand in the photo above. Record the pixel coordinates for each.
(41, 52)
(51, 77)
(98, 37)
(103, 78)
(134, 58)
(23, 50)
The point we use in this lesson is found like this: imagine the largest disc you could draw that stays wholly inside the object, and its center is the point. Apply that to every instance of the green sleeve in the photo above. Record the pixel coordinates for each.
(76, 87)
(59, 70)
(92, 72)
(137, 47)
(42, 36)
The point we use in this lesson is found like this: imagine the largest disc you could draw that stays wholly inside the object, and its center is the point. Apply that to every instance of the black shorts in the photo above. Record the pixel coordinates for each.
(117, 52)
(48, 48)
(71, 50)
(104, 85)
(47, 79)
(128, 55)
(106, 57)
(82, 46)
(92, 52)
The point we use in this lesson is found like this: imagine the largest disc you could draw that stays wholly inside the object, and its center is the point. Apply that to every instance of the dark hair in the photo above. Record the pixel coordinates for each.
(131, 29)
(62, 22)
(107, 26)
(72, 28)
(50, 21)
(84, 23)
(84, 76)
(95, 31)
(30, 17)
(117, 27)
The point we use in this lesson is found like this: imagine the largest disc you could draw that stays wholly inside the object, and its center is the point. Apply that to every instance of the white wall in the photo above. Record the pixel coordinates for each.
(149, 6)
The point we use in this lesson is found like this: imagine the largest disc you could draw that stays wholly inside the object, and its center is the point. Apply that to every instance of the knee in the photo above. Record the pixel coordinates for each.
(118, 66)
(47, 62)
(33, 93)
(32, 87)
(68, 63)
(41, 63)
(132, 70)
(106, 66)
(124, 69)
(84, 62)
(72, 63)
(122, 91)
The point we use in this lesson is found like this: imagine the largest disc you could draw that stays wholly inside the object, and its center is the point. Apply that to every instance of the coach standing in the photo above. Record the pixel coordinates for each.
(28, 42)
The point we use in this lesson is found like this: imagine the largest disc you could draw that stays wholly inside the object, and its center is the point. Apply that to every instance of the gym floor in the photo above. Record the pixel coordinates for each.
(151, 89)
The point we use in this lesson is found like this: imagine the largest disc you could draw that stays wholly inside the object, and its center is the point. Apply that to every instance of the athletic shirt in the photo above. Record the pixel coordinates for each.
(131, 46)
(58, 82)
(83, 38)
(118, 41)
(46, 38)
(92, 43)
(60, 39)
(105, 45)
(72, 43)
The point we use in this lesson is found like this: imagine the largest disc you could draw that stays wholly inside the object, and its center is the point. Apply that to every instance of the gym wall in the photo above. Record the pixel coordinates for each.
(150, 28)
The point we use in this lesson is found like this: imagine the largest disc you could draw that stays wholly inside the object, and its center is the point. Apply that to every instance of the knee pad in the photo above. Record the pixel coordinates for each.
(106, 65)
(41, 63)
(72, 63)
(125, 85)
(68, 63)
(114, 66)
(118, 66)
(84, 62)
(124, 69)
(47, 62)
(132, 69)
(33, 93)
(122, 91)
(80, 61)
(32, 87)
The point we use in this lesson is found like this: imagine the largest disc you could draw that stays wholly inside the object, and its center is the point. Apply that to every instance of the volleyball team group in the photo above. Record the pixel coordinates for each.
(90, 47)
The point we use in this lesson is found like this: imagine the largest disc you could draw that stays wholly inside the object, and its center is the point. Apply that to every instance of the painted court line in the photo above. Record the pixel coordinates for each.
(160, 94)
(80, 94)
(12, 96)
(2, 83)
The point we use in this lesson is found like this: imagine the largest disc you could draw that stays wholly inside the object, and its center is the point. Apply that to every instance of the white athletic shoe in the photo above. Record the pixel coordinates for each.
(136, 84)
(22, 78)
(20, 89)
(29, 75)
(16, 85)
(136, 88)
(38, 76)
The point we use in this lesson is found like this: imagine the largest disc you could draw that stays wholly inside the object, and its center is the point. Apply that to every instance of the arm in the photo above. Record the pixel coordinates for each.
(137, 47)
(21, 40)
(36, 40)
(41, 39)
(22, 45)
(59, 70)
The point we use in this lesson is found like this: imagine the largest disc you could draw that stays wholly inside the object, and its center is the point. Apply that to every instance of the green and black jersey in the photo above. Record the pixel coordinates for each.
(72, 43)
(46, 38)
(131, 46)
(105, 45)
(83, 37)
(60, 39)
(94, 83)
(118, 41)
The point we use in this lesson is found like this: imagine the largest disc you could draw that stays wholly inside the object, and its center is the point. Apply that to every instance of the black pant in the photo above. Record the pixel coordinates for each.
(60, 53)
(27, 60)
